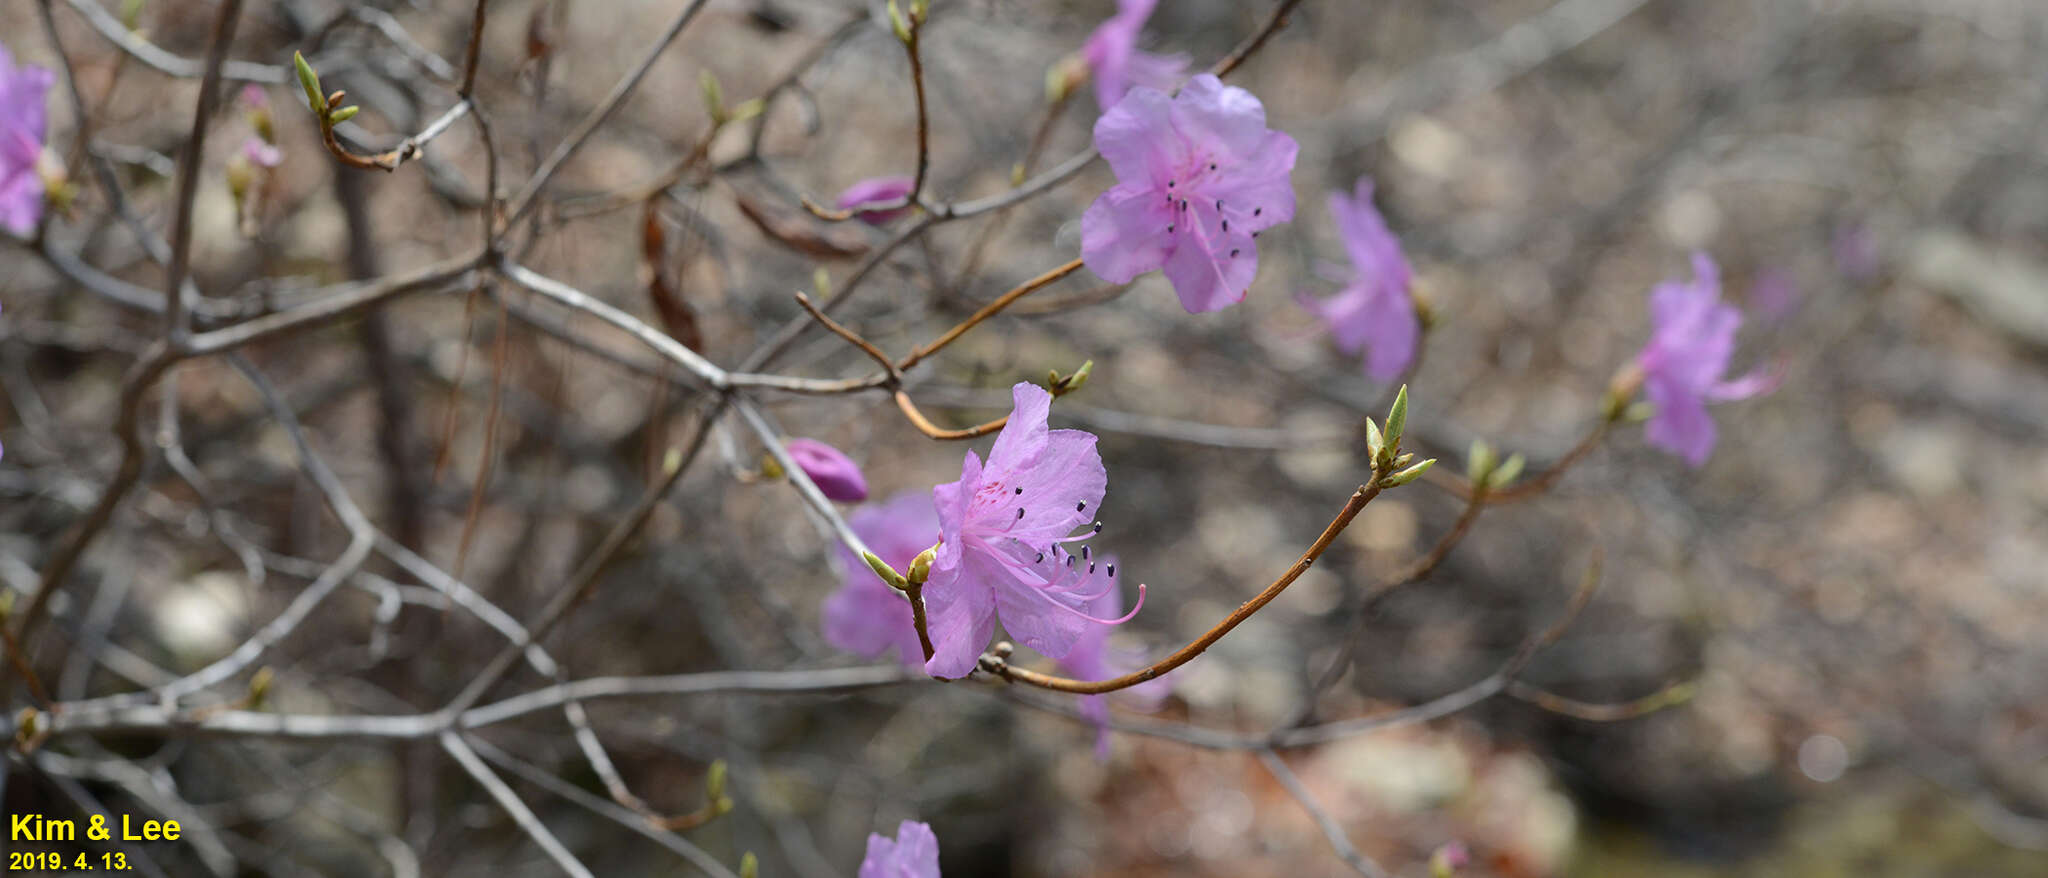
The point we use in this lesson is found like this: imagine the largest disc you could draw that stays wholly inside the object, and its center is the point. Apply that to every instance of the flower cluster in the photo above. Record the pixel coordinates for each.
(1692, 338)
(23, 124)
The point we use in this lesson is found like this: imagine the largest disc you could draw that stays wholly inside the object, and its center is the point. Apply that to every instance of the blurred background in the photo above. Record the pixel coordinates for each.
(1853, 591)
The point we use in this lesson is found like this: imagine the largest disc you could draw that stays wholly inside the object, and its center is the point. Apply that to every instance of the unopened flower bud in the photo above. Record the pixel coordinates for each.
(259, 686)
(26, 725)
(1507, 472)
(309, 81)
(921, 566)
(1397, 417)
(750, 865)
(1063, 78)
(714, 97)
(835, 474)
(1375, 441)
(1408, 475)
(897, 24)
(344, 114)
(714, 780)
(1479, 461)
(1621, 390)
(882, 569)
(1447, 860)
(747, 109)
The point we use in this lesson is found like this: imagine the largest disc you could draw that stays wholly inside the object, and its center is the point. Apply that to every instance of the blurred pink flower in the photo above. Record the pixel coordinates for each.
(999, 523)
(1112, 54)
(22, 127)
(1199, 175)
(1374, 313)
(254, 97)
(865, 616)
(260, 153)
(913, 853)
(835, 474)
(1691, 340)
(1092, 658)
(873, 191)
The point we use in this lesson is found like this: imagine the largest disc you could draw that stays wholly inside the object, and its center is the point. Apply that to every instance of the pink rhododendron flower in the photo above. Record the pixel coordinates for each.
(1374, 313)
(913, 853)
(873, 191)
(261, 153)
(1199, 175)
(1692, 337)
(1092, 657)
(23, 123)
(1001, 523)
(1116, 62)
(865, 616)
(835, 474)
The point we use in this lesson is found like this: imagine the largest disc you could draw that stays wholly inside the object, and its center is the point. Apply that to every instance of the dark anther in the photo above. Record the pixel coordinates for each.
(1169, 184)
(1233, 254)
(1212, 166)
(1079, 506)
(1020, 489)
(1169, 228)
(1020, 512)
(1258, 210)
(1091, 567)
(1041, 558)
(1070, 560)
(1226, 225)
(1098, 527)
(1084, 552)
(1219, 204)
(1112, 569)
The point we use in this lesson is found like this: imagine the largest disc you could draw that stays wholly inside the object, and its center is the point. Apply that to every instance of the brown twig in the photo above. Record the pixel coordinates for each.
(915, 592)
(925, 426)
(1273, 22)
(1414, 572)
(1185, 654)
(488, 456)
(1667, 697)
(991, 309)
(851, 337)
